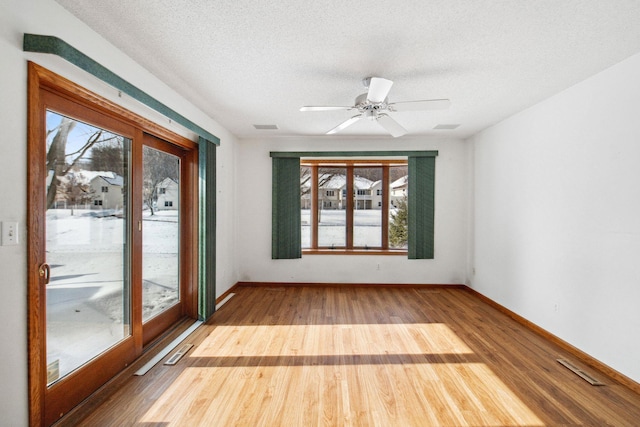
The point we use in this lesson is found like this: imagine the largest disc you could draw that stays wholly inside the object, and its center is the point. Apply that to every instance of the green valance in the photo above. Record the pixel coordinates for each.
(319, 154)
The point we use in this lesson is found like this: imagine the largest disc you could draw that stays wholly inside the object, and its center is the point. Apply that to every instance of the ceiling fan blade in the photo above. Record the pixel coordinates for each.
(424, 105)
(324, 108)
(345, 124)
(378, 89)
(391, 125)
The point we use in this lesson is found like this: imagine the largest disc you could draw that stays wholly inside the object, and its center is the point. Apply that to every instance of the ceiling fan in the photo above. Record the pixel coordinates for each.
(371, 105)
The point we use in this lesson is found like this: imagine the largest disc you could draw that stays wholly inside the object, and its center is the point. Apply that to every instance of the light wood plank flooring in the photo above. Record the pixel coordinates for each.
(364, 356)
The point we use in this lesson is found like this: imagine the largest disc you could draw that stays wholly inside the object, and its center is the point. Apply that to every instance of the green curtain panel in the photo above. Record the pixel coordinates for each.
(285, 229)
(207, 229)
(422, 178)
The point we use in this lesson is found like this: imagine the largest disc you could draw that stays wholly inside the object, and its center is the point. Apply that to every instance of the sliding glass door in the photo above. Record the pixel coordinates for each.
(112, 264)
(88, 298)
(161, 225)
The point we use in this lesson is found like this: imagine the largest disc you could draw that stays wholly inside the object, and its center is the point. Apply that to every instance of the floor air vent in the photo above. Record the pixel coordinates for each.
(178, 354)
(582, 374)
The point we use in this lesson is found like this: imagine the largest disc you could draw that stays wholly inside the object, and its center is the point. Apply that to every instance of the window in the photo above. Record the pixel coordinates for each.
(168, 204)
(360, 223)
(330, 193)
(294, 227)
(105, 189)
(97, 203)
(162, 191)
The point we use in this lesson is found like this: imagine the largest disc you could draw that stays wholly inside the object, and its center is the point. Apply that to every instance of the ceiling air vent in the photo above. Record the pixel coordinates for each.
(447, 126)
(266, 127)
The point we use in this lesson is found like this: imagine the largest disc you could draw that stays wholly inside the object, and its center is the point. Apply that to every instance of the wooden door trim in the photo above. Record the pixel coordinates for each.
(35, 289)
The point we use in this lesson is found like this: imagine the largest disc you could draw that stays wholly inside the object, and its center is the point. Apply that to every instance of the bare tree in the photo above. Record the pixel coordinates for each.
(397, 172)
(76, 191)
(108, 156)
(56, 157)
(157, 166)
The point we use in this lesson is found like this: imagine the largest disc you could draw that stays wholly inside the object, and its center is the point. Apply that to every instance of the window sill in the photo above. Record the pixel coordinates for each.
(359, 251)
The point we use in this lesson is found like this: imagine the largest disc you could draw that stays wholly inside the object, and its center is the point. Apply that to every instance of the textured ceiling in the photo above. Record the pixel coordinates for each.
(257, 62)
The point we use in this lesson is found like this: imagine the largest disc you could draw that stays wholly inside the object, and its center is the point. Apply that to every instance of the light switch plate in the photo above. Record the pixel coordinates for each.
(9, 233)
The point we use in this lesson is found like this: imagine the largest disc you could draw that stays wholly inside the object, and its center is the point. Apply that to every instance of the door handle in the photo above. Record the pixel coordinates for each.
(45, 271)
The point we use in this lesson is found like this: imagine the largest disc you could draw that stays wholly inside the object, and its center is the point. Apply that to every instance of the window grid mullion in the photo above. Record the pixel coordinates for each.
(385, 207)
(350, 197)
(314, 206)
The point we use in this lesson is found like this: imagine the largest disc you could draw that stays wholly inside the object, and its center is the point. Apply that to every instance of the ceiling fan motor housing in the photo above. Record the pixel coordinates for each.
(363, 104)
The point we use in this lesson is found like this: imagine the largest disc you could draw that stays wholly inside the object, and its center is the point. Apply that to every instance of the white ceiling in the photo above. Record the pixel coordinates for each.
(249, 62)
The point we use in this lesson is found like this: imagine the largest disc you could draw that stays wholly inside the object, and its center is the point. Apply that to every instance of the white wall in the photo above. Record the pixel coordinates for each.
(254, 212)
(557, 215)
(47, 17)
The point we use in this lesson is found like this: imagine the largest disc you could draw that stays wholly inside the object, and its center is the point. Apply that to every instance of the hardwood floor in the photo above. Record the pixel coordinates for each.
(307, 356)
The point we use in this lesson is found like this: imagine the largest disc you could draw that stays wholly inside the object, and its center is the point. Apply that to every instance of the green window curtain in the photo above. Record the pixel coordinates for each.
(422, 178)
(207, 229)
(285, 229)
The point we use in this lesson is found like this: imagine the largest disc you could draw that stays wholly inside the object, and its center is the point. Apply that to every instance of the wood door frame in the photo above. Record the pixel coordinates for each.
(44, 409)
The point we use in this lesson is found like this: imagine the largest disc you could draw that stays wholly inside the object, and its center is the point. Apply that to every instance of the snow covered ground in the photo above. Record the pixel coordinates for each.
(367, 226)
(87, 297)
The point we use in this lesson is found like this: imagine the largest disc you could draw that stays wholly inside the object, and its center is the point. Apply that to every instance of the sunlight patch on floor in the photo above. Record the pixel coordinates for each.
(315, 340)
(358, 374)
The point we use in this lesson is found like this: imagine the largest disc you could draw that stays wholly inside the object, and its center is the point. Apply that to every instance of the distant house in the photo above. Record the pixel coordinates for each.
(376, 195)
(168, 192)
(106, 190)
(362, 188)
(398, 190)
(305, 191)
(88, 190)
(330, 192)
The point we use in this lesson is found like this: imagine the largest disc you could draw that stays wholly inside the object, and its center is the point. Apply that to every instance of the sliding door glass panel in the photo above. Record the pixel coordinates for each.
(367, 207)
(305, 206)
(88, 294)
(398, 211)
(332, 204)
(160, 232)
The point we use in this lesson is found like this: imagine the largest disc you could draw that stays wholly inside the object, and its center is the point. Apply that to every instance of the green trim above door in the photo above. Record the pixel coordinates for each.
(54, 45)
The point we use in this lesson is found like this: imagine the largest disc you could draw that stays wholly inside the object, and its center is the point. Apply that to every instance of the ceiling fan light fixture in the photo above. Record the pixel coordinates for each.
(370, 114)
